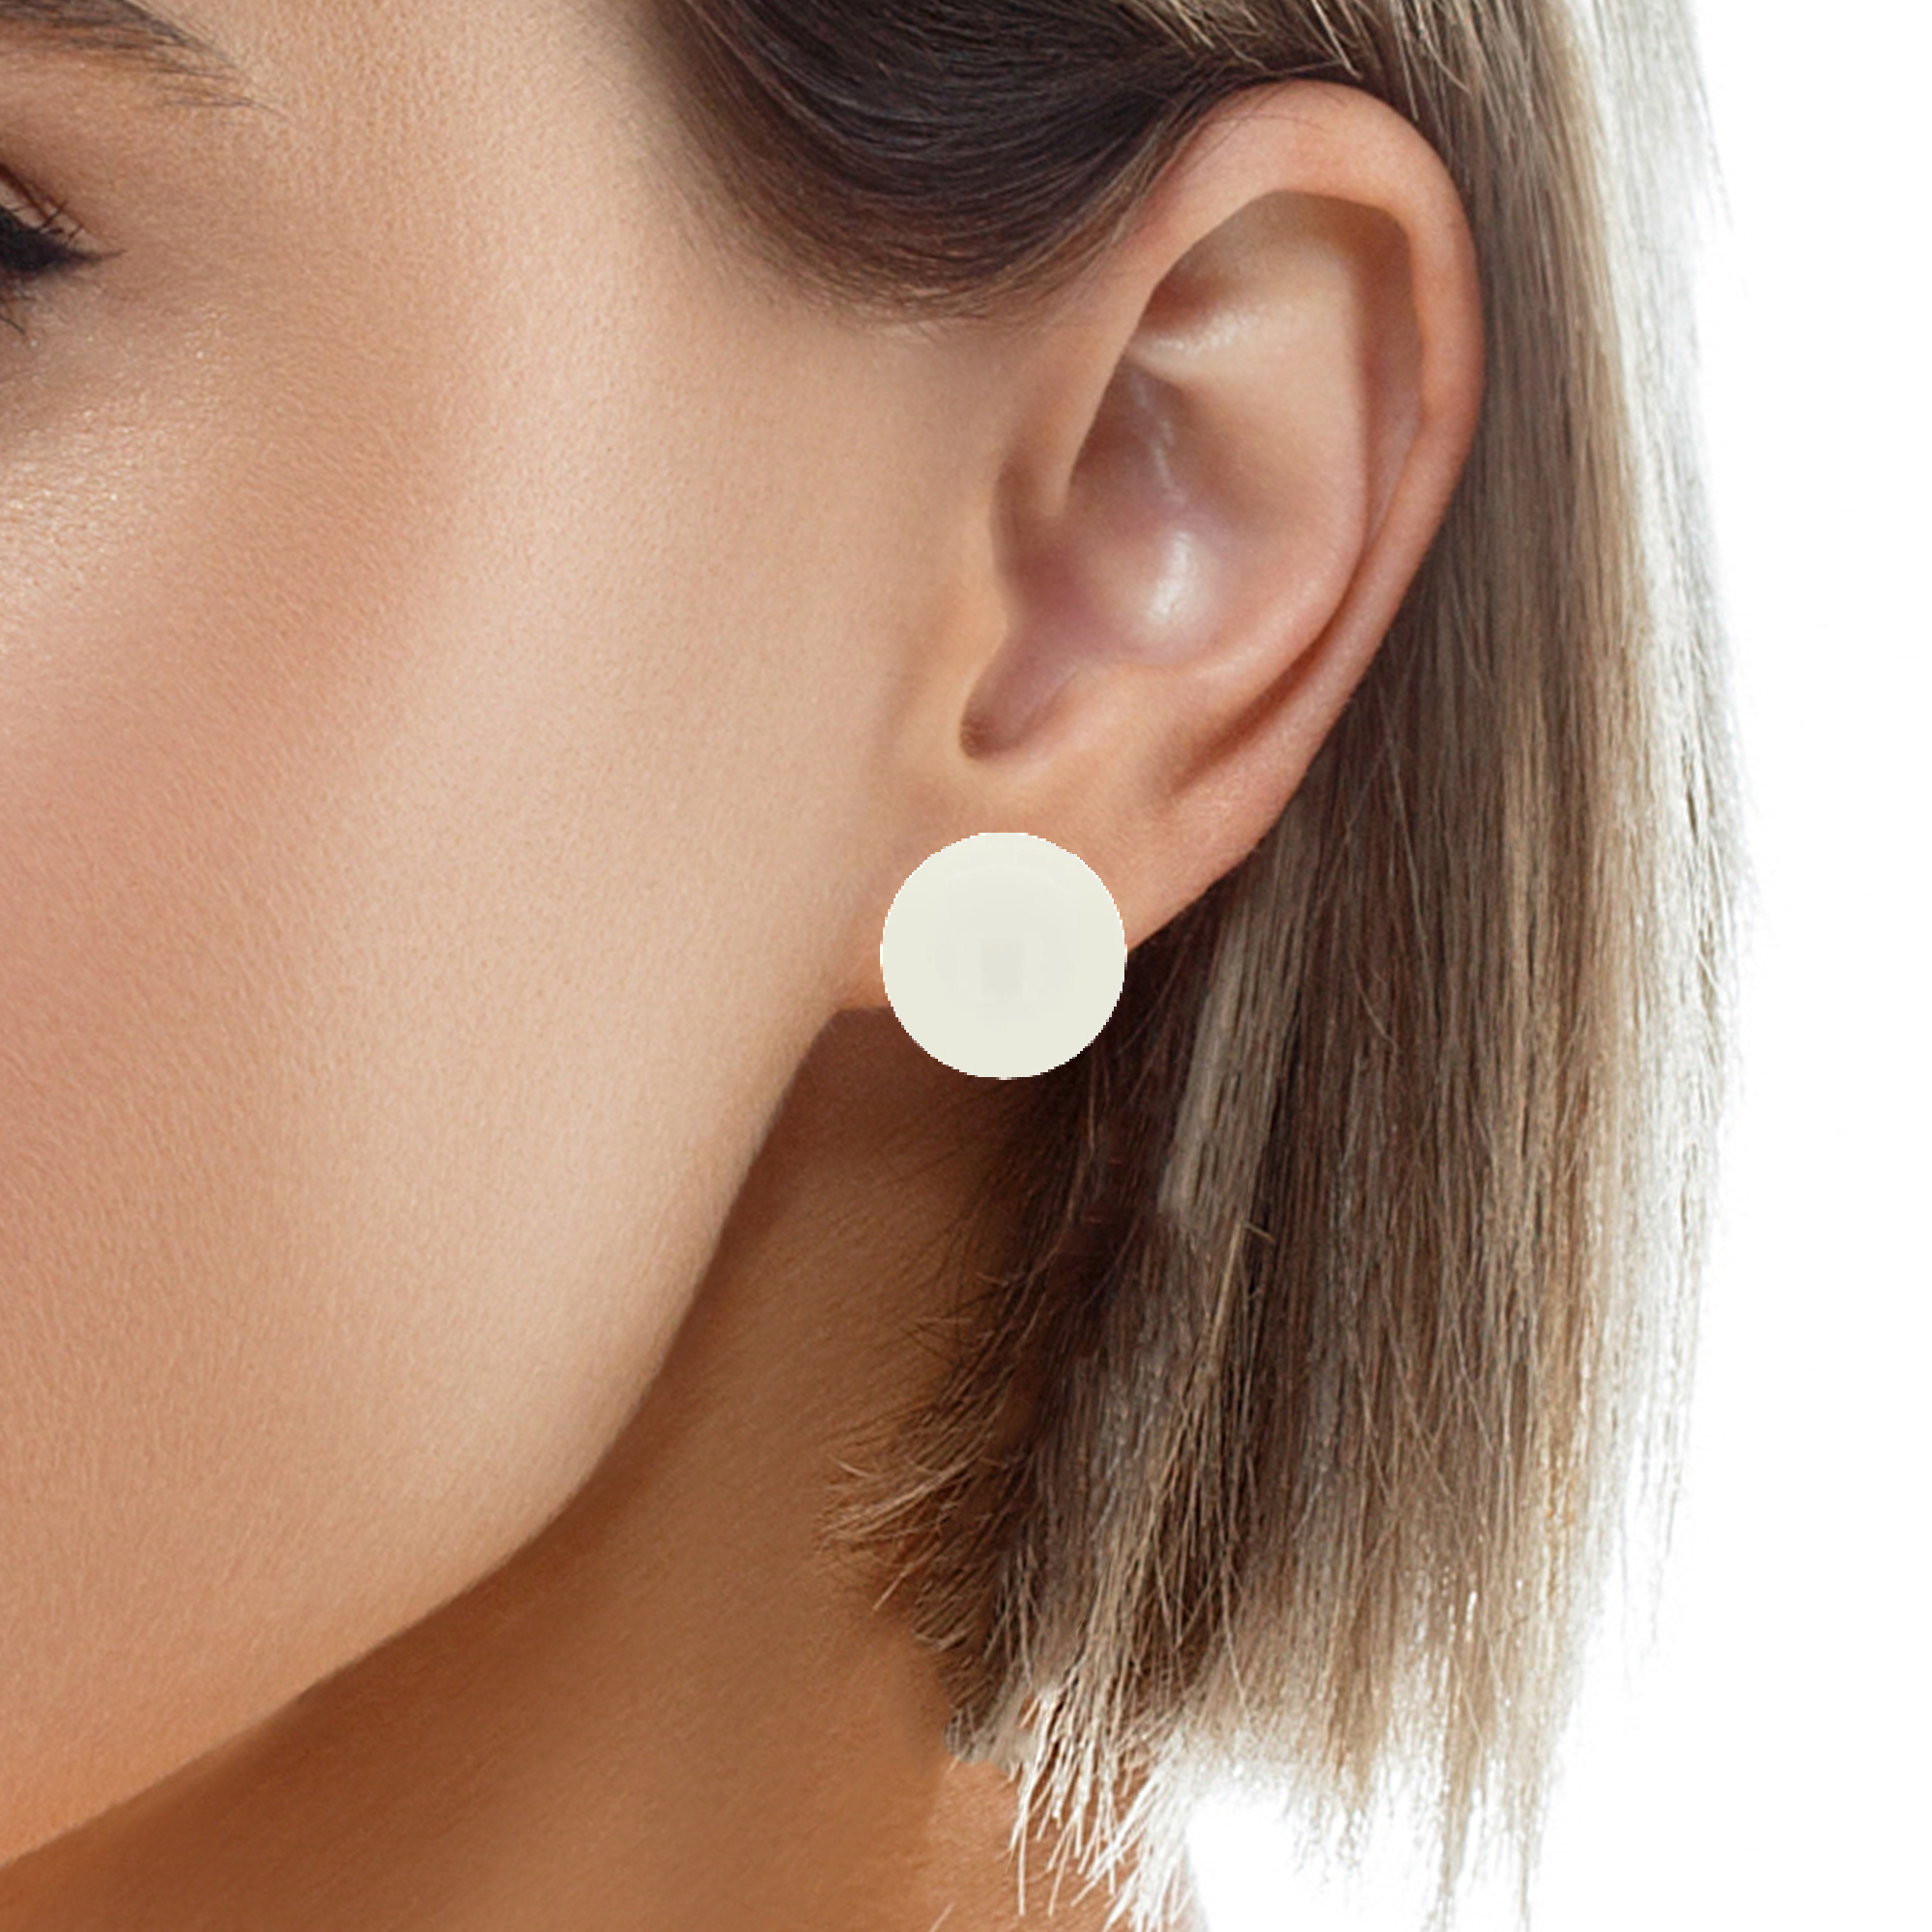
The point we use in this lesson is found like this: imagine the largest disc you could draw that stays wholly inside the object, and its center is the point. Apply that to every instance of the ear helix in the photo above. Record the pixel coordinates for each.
(1003, 956)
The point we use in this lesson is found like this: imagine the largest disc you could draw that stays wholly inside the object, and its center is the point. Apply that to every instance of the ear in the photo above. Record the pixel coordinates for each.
(1223, 456)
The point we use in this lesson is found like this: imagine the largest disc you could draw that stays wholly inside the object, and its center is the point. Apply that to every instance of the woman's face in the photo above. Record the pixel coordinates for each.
(447, 621)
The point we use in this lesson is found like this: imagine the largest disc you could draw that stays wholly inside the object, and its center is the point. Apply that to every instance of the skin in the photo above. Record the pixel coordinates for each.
(477, 663)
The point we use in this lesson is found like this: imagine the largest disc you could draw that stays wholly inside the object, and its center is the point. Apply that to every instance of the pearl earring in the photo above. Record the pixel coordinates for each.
(1003, 956)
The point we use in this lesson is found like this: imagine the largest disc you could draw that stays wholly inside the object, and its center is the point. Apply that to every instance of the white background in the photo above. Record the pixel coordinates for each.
(1761, 1764)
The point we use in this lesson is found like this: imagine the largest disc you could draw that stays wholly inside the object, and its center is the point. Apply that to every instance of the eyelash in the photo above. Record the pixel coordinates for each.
(34, 251)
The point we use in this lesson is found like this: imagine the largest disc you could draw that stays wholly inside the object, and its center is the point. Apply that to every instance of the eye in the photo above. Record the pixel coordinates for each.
(37, 243)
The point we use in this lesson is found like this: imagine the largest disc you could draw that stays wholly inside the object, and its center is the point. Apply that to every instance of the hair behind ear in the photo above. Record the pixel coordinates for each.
(1355, 1260)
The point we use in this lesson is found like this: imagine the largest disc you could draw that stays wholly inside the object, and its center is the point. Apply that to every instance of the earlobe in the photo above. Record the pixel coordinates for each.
(1218, 468)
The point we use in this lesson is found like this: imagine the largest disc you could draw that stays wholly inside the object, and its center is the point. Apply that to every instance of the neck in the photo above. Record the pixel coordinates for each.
(670, 1707)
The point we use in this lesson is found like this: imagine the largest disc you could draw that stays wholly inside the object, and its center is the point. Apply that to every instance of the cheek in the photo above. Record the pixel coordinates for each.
(369, 1094)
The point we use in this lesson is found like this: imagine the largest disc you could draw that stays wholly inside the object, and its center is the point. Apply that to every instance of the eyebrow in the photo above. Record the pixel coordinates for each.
(132, 37)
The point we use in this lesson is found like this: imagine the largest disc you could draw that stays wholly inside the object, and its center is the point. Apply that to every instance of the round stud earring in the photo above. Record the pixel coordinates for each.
(1003, 956)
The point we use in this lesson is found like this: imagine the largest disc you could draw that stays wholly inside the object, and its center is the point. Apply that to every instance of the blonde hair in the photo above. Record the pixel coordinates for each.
(1351, 1295)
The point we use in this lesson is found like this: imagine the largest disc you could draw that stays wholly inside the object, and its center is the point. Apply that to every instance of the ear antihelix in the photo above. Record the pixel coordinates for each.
(1134, 569)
